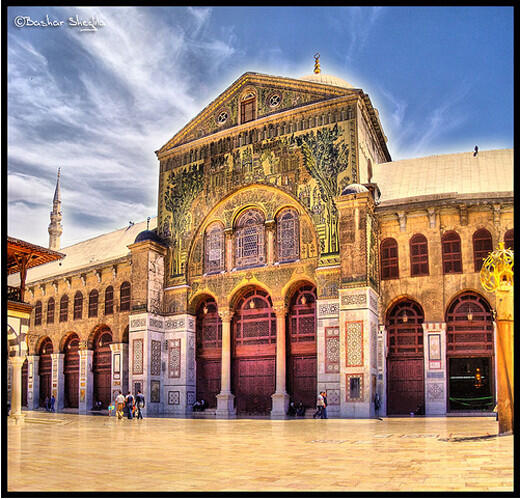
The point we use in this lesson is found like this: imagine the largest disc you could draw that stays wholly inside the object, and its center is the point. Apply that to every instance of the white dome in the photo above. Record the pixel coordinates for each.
(327, 80)
(353, 189)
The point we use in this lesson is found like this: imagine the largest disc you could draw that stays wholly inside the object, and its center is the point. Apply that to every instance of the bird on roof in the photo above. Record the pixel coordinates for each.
(475, 151)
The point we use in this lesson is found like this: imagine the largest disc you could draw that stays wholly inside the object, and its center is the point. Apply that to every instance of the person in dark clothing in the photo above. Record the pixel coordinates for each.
(139, 403)
(130, 405)
(292, 409)
(324, 410)
(300, 409)
(377, 404)
(52, 402)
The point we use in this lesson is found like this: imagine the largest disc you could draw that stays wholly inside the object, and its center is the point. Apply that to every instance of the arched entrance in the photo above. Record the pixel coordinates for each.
(405, 363)
(71, 371)
(254, 352)
(469, 350)
(45, 370)
(102, 367)
(25, 370)
(301, 343)
(209, 352)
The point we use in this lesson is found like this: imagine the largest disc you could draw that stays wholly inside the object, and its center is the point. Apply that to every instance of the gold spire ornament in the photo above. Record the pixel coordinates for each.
(496, 276)
(317, 69)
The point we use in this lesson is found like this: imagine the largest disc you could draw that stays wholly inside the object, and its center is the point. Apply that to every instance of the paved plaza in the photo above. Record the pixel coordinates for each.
(66, 452)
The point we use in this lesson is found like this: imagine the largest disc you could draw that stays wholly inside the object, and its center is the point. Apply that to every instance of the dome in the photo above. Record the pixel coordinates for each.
(354, 189)
(148, 235)
(327, 80)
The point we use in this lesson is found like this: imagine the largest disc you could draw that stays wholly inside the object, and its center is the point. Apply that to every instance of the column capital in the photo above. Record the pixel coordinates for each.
(228, 231)
(17, 360)
(225, 314)
(83, 345)
(270, 224)
(280, 310)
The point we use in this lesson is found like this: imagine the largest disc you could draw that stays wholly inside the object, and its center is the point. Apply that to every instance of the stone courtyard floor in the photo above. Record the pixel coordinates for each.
(65, 452)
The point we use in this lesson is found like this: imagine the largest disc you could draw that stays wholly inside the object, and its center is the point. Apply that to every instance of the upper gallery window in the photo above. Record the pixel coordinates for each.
(249, 241)
(418, 255)
(451, 253)
(38, 313)
(248, 108)
(124, 296)
(389, 259)
(288, 236)
(275, 100)
(93, 303)
(482, 246)
(109, 300)
(78, 305)
(64, 308)
(214, 248)
(509, 239)
(50, 311)
(222, 117)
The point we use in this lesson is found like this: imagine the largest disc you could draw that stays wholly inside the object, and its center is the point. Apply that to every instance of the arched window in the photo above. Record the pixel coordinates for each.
(482, 246)
(389, 259)
(418, 255)
(248, 108)
(509, 239)
(302, 315)
(250, 236)
(288, 236)
(209, 326)
(93, 303)
(124, 297)
(404, 327)
(451, 253)
(64, 308)
(50, 311)
(78, 305)
(38, 313)
(109, 300)
(255, 320)
(214, 248)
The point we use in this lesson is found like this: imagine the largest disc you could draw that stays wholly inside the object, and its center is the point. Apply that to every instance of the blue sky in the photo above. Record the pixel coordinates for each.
(98, 104)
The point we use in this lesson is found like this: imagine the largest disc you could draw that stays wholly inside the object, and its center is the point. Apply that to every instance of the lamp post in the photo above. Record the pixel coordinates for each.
(496, 276)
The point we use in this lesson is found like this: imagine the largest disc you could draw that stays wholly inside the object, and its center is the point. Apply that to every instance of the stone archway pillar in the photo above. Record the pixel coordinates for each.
(225, 399)
(16, 389)
(280, 397)
(86, 379)
(58, 380)
(33, 382)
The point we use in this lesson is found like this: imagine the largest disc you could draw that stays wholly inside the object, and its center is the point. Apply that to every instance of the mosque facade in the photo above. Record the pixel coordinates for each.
(289, 255)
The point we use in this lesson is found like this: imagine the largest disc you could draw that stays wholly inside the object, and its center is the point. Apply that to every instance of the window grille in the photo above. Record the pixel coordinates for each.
(451, 253)
(288, 236)
(419, 255)
(109, 300)
(93, 303)
(389, 259)
(50, 311)
(78, 305)
(249, 240)
(482, 246)
(254, 321)
(64, 308)
(302, 315)
(38, 313)
(404, 327)
(214, 249)
(124, 296)
(247, 110)
(209, 326)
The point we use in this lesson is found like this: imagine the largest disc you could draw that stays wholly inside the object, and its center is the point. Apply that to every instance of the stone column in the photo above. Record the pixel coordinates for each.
(33, 382)
(225, 399)
(280, 397)
(270, 227)
(86, 380)
(228, 241)
(58, 380)
(16, 389)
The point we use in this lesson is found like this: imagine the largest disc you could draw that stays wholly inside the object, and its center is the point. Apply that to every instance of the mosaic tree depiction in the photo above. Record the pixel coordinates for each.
(184, 186)
(325, 159)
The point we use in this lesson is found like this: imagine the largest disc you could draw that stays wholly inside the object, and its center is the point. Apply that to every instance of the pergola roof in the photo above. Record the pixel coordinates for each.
(37, 255)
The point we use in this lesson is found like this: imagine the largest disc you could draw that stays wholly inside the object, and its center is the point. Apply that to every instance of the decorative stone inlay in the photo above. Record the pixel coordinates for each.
(137, 323)
(325, 309)
(332, 349)
(174, 359)
(373, 302)
(174, 398)
(191, 324)
(174, 323)
(156, 323)
(373, 339)
(155, 391)
(137, 365)
(354, 343)
(190, 398)
(351, 397)
(360, 299)
(155, 365)
(435, 374)
(435, 391)
(333, 396)
(191, 359)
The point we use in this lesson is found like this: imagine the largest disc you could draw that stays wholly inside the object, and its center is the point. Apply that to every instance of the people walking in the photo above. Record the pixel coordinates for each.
(377, 404)
(324, 410)
(319, 406)
(120, 403)
(130, 404)
(139, 403)
(52, 402)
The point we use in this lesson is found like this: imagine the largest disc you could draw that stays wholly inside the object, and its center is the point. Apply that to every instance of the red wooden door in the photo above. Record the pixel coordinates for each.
(71, 372)
(253, 353)
(24, 383)
(303, 385)
(208, 380)
(45, 371)
(405, 385)
(102, 366)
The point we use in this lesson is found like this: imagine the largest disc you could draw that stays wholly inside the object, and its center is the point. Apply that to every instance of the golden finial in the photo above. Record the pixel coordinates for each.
(317, 63)
(497, 269)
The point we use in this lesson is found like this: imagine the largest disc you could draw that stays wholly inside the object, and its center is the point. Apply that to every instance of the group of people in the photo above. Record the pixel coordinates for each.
(49, 403)
(321, 406)
(199, 405)
(129, 405)
(296, 409)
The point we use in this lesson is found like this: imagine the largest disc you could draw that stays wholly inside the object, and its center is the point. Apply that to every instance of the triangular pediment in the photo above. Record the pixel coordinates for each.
(274, 94)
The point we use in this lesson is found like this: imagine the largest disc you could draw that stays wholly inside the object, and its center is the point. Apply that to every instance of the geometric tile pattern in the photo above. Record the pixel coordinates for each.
(155, 391)
(332, 349)
(351, 396)
(174, 398)
(174, 359)
(333, 396)
(354, 343)
(155, 364)
(373, 341)
(435, 391)
(137, 365)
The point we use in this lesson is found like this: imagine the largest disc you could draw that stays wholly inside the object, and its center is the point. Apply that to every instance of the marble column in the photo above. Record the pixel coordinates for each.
(16, 389)
(280, 397)
(228, 241)
(58, 380)
(270, 227)
(225, 399)
(33, 382)
(86, 381)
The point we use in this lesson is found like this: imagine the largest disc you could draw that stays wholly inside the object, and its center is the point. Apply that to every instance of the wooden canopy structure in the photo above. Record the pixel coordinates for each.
(22, 255)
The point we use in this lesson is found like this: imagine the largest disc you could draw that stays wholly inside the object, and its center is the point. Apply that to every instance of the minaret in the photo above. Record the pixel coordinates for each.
(55, 228)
